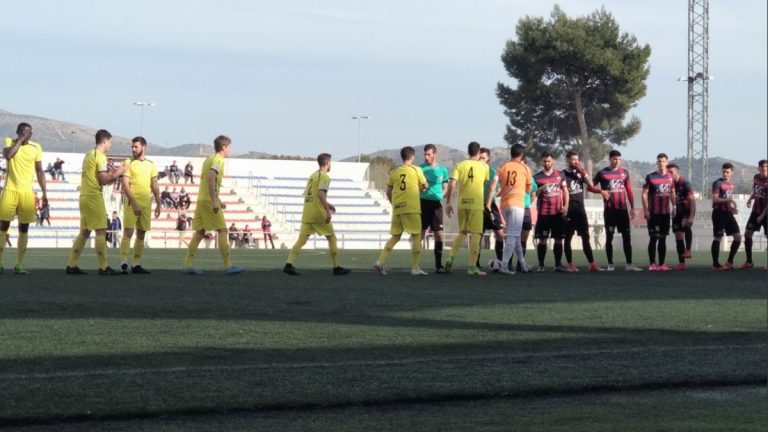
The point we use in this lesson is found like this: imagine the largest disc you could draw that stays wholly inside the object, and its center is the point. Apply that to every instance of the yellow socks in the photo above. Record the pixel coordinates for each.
(296, 248)
(125, 247)
(101, 250)
(458, 243)
(21, 248)
(333, 251)
(192, 249)
(224, 250)
(384, 256)
(138, 248)
(416, 251)
(3, 238)
(77, 248)
(474, 248)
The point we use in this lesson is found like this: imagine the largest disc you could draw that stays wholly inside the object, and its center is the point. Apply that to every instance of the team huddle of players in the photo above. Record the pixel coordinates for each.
(416, 194)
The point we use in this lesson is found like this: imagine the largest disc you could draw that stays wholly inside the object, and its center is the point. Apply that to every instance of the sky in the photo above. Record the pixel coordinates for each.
(286, 77)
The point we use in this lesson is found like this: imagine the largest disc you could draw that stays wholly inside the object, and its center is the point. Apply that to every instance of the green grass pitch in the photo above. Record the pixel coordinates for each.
(265, 351)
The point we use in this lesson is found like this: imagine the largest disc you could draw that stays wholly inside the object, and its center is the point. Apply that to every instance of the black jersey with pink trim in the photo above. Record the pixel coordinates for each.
(616, 182)
(759, 193)
(659, 187)
(549, 195)
(683, 191)
(722, 189)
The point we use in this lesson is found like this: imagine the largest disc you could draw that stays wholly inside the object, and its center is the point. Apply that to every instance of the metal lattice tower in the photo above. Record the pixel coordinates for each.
(698, 90)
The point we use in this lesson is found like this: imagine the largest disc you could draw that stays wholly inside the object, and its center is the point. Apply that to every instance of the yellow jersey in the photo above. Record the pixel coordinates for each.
(406, 182)
(21, 167)
(140, 174)
(514, 178)
(471, 176)
(216, 163)
(93, 163)
(314, 212)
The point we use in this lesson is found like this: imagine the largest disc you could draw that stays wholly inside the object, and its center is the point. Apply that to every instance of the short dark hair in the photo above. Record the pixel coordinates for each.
(516, 151)
(220, 142)
(430, 147)
(571, 153)
(323, 158)
(22, 126)
(139, 139)
(485, 150)
(672, 165)
(762, 162)
(662, 155)
(406, 152)
(473, 148)
(728, 165)
(546, 154)
(102, 135)
(614, 153)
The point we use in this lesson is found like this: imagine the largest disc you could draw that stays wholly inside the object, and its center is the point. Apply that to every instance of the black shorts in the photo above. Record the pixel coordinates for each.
(753, 226)
(658, 225)
(577, 223)
(431, 215)
(616, 220)
(723, 222)
(550, 226)
(492, 219)
(677, 221)
(527, 225)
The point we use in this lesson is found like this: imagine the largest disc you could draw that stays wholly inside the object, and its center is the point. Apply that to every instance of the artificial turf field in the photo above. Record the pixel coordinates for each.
(264, 351)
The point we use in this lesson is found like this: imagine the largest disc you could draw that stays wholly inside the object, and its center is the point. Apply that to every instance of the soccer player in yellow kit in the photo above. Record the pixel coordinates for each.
(404, 185)
(139, 185)
(316, 217)
(93, 212)
(208, 212)
(18, 198)
(471, 175)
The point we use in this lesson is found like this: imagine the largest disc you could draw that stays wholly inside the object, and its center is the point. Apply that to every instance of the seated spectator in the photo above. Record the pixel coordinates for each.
(174, 172)
(175, 198)
(184, 200)
(165, 197)
(166, 173)
(234, 236)
(247, 236)
(188, 173)
(58, 170)
(49, 169)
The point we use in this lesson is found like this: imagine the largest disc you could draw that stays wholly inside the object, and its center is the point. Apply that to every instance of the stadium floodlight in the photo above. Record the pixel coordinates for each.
(142, 105)
(359, 119)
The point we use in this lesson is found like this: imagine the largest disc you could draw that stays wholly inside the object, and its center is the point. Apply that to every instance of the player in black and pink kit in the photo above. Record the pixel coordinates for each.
(617, 192)
(684, 216)
(658, 204)
(552, 206)
(723, 221)
(758, 201)
(576, 222)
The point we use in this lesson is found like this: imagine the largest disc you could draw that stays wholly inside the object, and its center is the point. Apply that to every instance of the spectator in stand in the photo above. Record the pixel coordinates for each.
(165, 197)
(49, 169)
(234, 236)
(266, 227)
(247, 236)
(115, 226)
(175, 172)
(182, 222)
(45, 214)
(184, 200)
(188, 173)
(167, 173)
(175, 198)
(58, 170)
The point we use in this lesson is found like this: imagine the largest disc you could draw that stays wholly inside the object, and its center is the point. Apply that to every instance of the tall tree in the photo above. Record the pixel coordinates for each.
(576, 80)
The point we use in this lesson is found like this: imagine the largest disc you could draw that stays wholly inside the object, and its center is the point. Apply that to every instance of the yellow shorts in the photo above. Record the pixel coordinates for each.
(470, 221)
(14, 203)
(206, 220)
(409, 222)
(143, 222)
(93, 212)
(323, 229)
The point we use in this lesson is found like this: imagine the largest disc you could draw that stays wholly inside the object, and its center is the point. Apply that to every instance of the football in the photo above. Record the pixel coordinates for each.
(494, 265)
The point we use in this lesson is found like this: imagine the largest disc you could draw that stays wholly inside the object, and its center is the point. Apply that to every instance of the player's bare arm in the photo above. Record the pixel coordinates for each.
(156, 193)
(491, 187)
(23, 138)
(41, 181)
(646, 212)
(389, 193)
(109, 177)
(451, 190)
(566, 200)
(329, 209)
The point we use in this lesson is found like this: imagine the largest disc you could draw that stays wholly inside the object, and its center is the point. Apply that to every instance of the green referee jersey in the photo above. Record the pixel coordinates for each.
(436, 177)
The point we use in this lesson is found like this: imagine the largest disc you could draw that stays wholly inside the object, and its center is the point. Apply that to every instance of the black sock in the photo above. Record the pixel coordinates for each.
(558, 248)
(438, 253)
(734, 248)
(688, 238)
(652, 249)
(568, 250)
(587, 249)
(715, 250)
(627, 240)
(748, 248)
(499, 249)
(609, 246)
(541, 249)
(662, 250)
(680, 250)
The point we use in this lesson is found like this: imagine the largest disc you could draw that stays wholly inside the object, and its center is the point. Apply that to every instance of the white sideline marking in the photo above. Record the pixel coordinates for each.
(222, 368)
